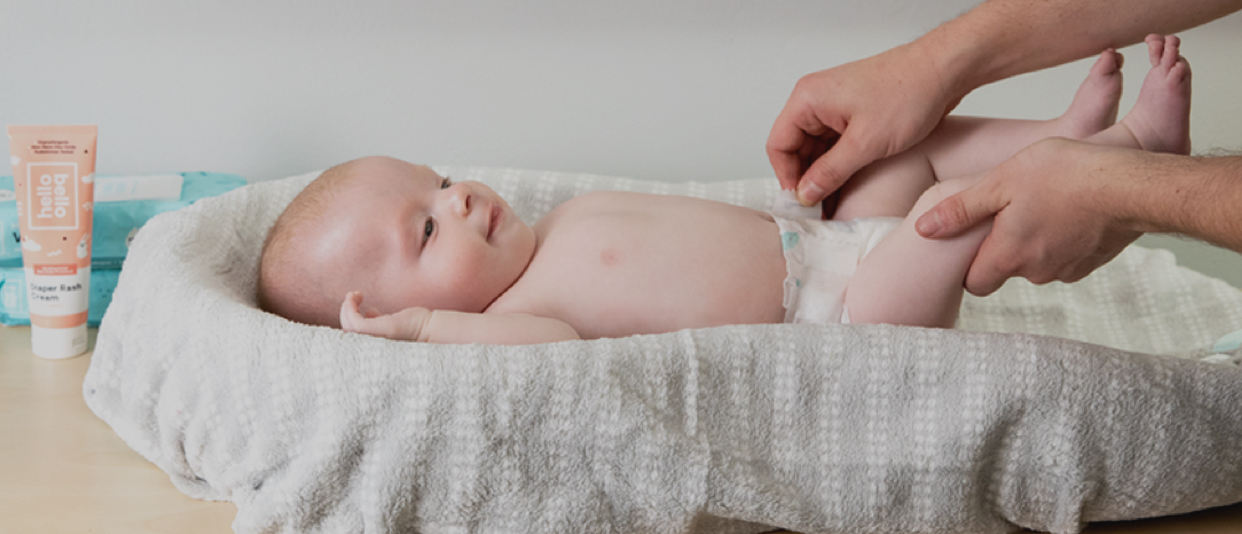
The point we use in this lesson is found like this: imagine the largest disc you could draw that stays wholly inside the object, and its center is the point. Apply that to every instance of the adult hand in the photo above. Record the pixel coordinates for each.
(839, 120)
(1054, 204)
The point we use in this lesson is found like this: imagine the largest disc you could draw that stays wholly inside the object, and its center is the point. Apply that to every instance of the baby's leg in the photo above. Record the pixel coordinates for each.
(964, 146)
(915, 281)
(910, 280)
(1160, 119)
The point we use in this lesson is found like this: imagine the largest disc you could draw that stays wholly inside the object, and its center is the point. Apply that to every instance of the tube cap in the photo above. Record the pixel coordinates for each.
(58, 343)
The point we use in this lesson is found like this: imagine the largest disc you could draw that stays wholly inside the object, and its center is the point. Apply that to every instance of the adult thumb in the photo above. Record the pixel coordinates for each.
(956, 214)
(830, 171)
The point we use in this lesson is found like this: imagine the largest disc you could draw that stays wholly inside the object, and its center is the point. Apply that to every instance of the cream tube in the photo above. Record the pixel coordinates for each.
(54, 174)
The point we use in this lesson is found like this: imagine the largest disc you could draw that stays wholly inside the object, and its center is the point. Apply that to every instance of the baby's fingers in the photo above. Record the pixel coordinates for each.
(388, 326)
(351, 317)
(403, 325)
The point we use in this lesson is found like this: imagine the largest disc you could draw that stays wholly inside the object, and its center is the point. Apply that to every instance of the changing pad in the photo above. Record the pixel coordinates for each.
(1052, 406)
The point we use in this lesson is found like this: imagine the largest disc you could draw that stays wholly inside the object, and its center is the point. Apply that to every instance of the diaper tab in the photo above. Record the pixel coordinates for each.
(786, 205)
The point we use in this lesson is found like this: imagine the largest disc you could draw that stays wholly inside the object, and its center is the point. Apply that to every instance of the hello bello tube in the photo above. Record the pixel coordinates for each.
(54, 174)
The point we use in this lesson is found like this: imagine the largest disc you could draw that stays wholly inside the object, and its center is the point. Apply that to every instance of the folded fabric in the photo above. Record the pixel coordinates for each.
(122, 205)
(1229, 342)
(15, 309)
(811, 428)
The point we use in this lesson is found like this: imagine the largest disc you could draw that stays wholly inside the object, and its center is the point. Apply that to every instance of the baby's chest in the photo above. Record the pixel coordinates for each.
(637, 252)
(656, 275)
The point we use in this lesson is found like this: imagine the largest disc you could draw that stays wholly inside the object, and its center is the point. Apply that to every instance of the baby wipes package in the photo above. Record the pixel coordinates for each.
(122, 205)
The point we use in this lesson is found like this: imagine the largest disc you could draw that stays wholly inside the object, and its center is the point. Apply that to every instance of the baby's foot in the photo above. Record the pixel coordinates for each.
(1095, 104)
(1160, 120)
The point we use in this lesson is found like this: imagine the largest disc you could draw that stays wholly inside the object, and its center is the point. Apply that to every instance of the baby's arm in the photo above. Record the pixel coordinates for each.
(443, 326)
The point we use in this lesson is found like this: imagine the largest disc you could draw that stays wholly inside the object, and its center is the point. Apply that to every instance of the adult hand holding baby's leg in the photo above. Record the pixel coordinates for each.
(405, 325)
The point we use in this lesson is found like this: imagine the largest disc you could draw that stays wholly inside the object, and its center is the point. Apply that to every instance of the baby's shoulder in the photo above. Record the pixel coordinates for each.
(609, 198)
(600, 214)
(594, 203)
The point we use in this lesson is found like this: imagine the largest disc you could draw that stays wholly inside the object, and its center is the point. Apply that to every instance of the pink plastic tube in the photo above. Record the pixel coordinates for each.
(54, 171)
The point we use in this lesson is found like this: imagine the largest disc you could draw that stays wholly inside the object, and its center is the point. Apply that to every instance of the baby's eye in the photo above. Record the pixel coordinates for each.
(446, 183)
(428, 229)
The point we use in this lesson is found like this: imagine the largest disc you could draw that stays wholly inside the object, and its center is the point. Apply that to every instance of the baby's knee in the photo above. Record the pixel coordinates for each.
(938, 192)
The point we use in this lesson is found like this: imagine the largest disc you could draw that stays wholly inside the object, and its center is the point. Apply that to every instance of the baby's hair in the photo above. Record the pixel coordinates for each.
(280, 259)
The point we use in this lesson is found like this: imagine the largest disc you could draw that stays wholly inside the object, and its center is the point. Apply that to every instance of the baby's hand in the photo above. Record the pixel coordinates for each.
(405, 325)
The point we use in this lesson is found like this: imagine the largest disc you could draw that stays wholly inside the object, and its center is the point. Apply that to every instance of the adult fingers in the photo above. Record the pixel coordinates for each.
(990, 268)
(793, 141)
(788, 167)
(953, 216)
(830, 171)
(958, 213)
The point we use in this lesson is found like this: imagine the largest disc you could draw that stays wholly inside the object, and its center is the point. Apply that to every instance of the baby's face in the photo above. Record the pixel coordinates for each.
(413, 238)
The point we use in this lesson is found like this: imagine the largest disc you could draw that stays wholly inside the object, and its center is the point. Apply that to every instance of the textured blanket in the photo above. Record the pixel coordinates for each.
(843, 428)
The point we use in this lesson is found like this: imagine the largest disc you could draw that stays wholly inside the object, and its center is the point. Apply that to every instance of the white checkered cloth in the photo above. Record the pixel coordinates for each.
(839, 428)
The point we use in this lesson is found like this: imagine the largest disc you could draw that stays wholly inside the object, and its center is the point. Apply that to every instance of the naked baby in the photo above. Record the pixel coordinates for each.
(383, 247)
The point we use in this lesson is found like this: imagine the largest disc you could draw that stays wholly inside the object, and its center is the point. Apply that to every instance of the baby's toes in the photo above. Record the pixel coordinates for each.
(1172, 46)
(1155, 48)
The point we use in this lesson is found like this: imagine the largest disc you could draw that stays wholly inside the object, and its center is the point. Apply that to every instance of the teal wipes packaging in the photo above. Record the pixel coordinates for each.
(122, 205)
(14, 310)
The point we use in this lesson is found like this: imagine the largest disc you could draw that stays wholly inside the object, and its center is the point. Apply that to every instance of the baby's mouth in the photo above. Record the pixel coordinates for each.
(494, 220)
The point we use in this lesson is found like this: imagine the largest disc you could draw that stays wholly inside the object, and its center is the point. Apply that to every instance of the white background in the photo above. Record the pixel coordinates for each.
(651, 89)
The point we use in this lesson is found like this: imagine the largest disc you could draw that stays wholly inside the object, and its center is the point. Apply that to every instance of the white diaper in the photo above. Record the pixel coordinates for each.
(820, 258)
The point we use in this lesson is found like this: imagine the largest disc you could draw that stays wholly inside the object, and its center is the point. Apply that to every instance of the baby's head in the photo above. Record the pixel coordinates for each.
(399, 233)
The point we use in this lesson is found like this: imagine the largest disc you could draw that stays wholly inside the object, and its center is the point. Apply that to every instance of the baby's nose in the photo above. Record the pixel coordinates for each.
(463, 200)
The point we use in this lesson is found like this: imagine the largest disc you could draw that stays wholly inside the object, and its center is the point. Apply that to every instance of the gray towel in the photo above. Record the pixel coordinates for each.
(842, 428)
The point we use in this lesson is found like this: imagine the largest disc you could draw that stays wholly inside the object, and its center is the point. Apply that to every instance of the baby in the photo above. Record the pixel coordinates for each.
(445, 262)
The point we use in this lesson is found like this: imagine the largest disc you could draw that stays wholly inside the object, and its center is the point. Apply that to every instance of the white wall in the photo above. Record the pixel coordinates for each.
(655, 89)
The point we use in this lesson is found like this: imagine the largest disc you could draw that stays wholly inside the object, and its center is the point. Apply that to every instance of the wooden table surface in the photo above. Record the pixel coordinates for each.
(64, 470)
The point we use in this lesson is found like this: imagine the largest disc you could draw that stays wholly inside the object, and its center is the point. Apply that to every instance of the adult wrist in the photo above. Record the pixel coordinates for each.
(1118, 186)
(956, 54)
(1153, 190)
(1192, 196)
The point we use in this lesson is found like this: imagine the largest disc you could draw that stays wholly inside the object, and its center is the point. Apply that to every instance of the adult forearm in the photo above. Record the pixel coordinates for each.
(1199, 197)
(1002, 38)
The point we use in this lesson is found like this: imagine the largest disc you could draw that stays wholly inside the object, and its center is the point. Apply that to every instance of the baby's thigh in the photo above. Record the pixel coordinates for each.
(908, 279)
(887, 188)
(938, 192)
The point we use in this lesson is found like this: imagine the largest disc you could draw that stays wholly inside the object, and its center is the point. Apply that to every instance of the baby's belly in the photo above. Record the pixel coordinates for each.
(666, 275)
(713, 296)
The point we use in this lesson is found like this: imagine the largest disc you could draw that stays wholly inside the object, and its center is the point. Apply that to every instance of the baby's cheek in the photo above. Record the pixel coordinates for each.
(465, 284)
